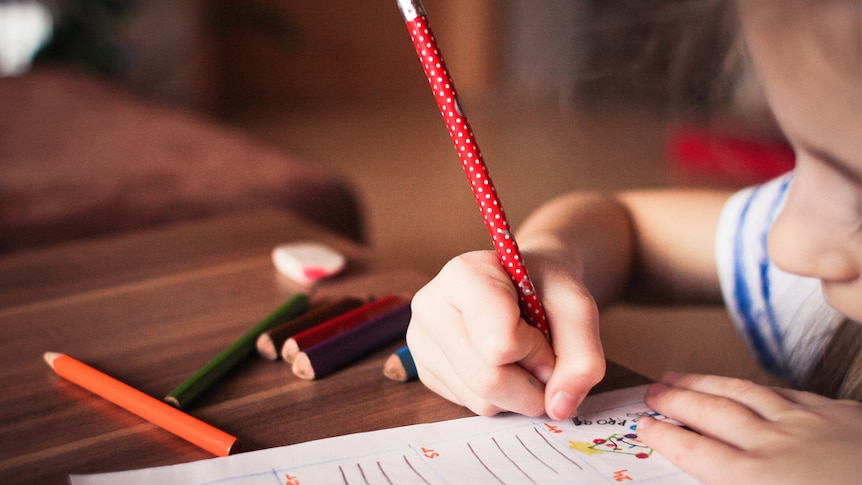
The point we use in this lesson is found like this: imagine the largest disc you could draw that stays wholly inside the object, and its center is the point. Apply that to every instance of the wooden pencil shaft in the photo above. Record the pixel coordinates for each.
(333, 354)
(406, 359)
(400, 366)
(346, 321)
(221, 364)
(147, 407)
(315, 316)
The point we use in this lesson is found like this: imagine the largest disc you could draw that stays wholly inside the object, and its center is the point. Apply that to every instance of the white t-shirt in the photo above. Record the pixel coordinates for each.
(783, 318)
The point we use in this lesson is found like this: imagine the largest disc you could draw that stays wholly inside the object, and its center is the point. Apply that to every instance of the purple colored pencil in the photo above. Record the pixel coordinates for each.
(331, 355)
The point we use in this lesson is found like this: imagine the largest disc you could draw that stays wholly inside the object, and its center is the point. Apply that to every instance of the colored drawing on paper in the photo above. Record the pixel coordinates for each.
(623, 443)
(627, 444)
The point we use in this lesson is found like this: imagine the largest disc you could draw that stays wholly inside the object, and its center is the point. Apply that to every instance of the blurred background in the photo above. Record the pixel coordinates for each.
(562, 95)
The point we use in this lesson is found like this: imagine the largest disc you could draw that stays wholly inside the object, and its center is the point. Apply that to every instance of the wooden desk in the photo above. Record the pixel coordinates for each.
(153, 307)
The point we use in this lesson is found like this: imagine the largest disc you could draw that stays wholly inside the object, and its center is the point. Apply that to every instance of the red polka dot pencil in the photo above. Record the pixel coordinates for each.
(472, 161)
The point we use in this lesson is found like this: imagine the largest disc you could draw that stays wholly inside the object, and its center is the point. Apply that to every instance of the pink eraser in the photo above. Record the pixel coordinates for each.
(307, 262)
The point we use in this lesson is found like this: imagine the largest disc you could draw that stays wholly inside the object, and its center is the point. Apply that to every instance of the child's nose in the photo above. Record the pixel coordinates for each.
(803, 243)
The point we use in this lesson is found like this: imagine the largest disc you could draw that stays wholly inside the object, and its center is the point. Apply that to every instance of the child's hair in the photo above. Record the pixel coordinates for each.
(690, 55)
(838, 372)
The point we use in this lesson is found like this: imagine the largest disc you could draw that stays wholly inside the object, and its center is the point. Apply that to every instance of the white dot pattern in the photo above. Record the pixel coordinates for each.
(475, 170)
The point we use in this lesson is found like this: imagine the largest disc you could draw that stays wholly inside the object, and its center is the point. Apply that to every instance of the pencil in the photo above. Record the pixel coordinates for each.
(400, 366)
(221, 364)
(157, 412)
(342, 323)
(332, 354)
(269, 343)
(472, 161)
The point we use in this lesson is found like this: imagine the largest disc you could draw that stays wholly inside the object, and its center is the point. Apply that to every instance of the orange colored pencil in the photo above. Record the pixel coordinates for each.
(153, 410)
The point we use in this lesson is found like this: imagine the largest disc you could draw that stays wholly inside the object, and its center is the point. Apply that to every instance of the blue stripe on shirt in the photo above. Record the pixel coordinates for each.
(743, 292)
(766, 263)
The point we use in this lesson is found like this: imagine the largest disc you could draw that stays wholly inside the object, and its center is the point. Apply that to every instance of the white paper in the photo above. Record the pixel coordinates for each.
(599, 446)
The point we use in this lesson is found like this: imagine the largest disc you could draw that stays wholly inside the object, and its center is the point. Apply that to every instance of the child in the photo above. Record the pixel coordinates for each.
(799, 308)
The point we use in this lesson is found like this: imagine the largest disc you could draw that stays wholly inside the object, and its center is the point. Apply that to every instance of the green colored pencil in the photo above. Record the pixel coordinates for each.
(215, 369)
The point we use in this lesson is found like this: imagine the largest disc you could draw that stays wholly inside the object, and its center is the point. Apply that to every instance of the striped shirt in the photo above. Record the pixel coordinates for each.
(783, 318)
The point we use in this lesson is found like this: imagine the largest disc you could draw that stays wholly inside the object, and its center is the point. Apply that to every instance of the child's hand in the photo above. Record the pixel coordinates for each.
(754, 434)
(472, 347)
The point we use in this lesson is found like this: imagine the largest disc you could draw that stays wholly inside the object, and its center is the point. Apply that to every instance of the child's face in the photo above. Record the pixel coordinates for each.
(809, 58)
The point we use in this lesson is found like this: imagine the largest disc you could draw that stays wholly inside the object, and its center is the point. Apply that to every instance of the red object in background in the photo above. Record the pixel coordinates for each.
(728, 159)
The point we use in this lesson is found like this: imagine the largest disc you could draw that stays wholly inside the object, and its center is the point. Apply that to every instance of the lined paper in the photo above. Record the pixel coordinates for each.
(598, 446)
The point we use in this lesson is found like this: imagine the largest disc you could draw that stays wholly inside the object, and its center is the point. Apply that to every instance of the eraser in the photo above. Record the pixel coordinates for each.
(307, 262)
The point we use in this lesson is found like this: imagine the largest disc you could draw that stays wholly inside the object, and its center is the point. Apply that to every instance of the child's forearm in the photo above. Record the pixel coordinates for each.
(654, 246)
(591, 231)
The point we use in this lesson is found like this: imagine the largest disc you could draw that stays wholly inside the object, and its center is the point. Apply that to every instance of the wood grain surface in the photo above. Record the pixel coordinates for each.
(151, 308)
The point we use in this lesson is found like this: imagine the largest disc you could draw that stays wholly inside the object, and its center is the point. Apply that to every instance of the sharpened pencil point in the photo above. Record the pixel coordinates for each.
(50, 357)
(302, 367)
(289, 350)
(400, 366)
(394, 370)
(266, 348)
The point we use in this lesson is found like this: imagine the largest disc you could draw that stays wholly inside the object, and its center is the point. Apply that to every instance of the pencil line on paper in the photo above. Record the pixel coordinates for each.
(415, 471)
(573, 462)
(484, 464)
(503, 452)
(535, 456)
(383, 472)
(362, 473)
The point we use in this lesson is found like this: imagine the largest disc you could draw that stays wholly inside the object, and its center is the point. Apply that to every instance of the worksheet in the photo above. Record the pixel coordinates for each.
(599, 446)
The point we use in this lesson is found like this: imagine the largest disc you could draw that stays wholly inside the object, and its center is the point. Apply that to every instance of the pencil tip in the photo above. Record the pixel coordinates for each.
(265, 347)
(393, 369)
(50, 357)
(289, 350)
(302, 367)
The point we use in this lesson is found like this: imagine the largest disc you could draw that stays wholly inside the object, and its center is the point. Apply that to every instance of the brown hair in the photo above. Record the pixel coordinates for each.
(838, 372)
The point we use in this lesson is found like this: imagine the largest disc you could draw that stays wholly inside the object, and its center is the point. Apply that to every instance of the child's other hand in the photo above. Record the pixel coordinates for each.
(472, 347)
(754, 434)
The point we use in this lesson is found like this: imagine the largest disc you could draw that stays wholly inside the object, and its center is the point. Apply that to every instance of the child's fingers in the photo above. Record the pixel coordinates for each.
(435, 384)
(803, 398)
(713, 415)
(483, 294)
(456, 371)
(580, 361)
(702, 457)
(760, 399)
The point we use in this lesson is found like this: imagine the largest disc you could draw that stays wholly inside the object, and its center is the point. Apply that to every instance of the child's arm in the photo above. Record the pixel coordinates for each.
(654, 246)
(466, 334)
